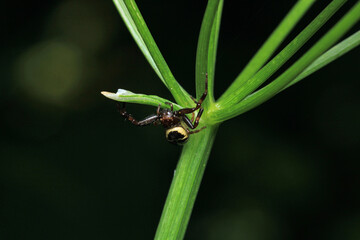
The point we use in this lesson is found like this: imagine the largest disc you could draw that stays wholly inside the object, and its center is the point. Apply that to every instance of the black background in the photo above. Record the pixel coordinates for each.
(71, 168)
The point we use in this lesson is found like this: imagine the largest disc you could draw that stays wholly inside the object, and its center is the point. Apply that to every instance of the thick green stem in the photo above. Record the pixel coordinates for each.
(185, 185)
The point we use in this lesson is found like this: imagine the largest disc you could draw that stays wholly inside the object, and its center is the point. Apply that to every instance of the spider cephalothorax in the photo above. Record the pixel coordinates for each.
(176, 123)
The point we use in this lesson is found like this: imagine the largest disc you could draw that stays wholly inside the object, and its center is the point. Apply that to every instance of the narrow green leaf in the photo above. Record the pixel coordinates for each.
(142, 36)
(208, 35)
(130, 97)
(271, 44)
(185, 185)
(270, 90)
(214, 37)
(334, 53)
(270, 68)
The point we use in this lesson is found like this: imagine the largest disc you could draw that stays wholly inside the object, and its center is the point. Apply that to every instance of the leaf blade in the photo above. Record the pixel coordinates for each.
(271, 44)
(130, 97)
(271, 67)
(276, 86)
(143, 38)
(207, 36)
(213, 44)
(331, 55)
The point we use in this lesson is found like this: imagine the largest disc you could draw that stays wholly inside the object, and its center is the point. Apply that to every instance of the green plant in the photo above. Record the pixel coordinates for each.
(243, 94)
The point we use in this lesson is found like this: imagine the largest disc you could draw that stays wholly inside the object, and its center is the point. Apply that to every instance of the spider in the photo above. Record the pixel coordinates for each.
(176, 123)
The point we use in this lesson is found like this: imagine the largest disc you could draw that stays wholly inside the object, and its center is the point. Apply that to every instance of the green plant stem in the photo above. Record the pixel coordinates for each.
(271, 44)
(185, 185)
(239, 98)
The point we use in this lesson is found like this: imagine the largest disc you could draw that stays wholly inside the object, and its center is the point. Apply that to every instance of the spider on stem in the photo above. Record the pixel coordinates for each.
(176, 123)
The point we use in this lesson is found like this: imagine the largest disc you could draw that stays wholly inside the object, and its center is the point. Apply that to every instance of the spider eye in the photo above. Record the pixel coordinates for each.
(177, 135)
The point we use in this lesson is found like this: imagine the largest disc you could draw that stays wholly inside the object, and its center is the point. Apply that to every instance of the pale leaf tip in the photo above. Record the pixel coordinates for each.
(104, 93)
(108, 94)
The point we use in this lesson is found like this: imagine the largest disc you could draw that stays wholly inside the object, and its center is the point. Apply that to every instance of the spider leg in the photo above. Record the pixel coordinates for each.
(196, 123)
(193, 114)
(158, 109)
(194, 99)
(147, 121)
(206, 90)
(171, 105)
(190, 125)
(196, 131)
(198, 103)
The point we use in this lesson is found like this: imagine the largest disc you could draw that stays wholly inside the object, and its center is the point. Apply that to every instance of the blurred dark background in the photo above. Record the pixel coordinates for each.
(71, 168)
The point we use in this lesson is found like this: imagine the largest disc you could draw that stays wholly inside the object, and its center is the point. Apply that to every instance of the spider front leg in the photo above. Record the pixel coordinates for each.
(171, 105)
(196, 123)
(198, 103)
(193, 126)
(147, 121)
(172, 108)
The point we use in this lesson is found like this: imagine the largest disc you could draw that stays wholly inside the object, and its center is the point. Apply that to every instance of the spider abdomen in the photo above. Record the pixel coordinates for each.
(177, 135)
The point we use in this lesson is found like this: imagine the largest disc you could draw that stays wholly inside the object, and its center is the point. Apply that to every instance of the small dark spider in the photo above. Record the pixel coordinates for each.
(176, 123)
